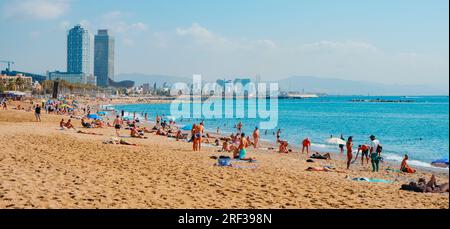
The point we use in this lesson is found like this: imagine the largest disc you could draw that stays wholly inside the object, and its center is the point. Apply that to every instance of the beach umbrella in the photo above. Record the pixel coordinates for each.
(443, 163)
(187, 127)
(336, 141)
(101, 113)
(94, 116)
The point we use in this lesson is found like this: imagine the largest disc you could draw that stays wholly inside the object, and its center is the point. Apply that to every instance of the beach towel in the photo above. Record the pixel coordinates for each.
(244, 166)
(239, 160)
(393, 170)
(372, 180)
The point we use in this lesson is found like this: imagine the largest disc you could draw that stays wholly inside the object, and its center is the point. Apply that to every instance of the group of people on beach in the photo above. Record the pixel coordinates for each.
(237, 143)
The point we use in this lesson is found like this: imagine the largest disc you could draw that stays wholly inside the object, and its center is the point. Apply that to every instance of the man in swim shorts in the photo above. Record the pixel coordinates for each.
(117, 125)
(306, 145)
(243, 144)
(364, 149)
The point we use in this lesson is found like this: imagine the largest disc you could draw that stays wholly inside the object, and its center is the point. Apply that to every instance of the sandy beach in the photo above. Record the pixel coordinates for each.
(42, 166)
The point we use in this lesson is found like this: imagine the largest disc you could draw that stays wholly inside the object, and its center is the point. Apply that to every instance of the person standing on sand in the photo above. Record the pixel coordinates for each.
(278, 135)
(306, 145)
(239, 128)
(117, 125)
(364, 149)
(37, 113)
(341, 147)
(375, 153)
(194, 128)
(349, 151)
(256, 137)
(158, 121)
(198, 136)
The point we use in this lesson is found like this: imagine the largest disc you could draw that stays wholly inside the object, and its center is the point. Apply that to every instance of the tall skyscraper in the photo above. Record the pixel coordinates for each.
(104, 58)
(78, 51)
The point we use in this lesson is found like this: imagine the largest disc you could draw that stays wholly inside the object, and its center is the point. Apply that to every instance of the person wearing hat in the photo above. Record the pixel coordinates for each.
(375, 153)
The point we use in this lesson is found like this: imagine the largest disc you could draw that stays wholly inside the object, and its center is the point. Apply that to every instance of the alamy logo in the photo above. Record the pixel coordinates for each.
(226, 101)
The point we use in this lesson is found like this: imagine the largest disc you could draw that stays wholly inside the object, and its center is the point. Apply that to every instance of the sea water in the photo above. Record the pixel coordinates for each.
(419, 128)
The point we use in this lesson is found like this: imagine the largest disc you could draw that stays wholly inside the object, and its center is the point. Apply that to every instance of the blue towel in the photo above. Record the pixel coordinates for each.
(372, 180)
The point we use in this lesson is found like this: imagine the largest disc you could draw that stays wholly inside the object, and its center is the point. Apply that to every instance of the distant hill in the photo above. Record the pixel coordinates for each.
(140, 79)
(311, 84)
(348, 87)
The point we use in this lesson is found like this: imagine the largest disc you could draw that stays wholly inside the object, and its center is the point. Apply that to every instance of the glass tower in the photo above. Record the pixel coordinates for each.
(78, 51)
(104, 58)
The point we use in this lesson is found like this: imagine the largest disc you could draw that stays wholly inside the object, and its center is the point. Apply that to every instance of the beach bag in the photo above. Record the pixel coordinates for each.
(379, 148)
(224, 161)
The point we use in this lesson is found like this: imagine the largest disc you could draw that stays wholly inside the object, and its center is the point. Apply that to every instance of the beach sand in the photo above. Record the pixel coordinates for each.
(44, 167)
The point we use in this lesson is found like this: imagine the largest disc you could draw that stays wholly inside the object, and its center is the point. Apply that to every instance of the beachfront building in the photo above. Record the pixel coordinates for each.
(35, 77)
(15, 82)
(73, 77)
(104, 58)
(78, 51)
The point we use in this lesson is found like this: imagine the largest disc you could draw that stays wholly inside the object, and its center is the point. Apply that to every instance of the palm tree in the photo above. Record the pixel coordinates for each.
(11, 84)
(19, 82)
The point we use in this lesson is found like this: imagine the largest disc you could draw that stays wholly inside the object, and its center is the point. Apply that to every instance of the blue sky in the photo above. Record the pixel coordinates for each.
(389, 41)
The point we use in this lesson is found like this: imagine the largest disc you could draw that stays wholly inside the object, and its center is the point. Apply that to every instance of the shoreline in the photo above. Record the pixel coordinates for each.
(270, 143)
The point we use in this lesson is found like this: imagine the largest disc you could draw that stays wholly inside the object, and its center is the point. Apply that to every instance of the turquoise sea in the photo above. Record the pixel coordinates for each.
(419, 128)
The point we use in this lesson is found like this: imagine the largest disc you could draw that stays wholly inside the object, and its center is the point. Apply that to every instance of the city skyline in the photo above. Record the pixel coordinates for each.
(383, 42)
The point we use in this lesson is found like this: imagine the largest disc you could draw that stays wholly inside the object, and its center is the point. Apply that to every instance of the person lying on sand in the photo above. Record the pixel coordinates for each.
(85, 124)
(161, 132)
(317, 155)
(116, 141)
(324, 169)
(90, 133)
(423, 186)
(404, 167)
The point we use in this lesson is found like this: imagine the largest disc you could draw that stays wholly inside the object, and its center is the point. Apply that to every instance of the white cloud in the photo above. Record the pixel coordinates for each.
(36, 9)
(200, 34)
(116, 22)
